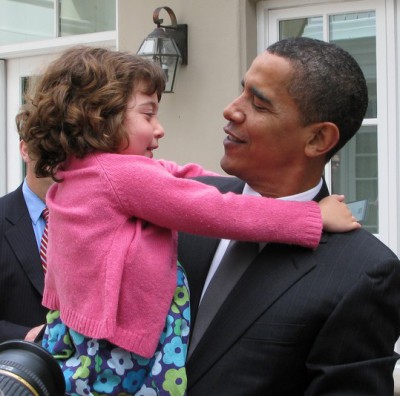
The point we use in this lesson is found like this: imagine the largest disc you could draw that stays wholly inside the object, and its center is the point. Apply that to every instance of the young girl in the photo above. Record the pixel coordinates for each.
(119, 318)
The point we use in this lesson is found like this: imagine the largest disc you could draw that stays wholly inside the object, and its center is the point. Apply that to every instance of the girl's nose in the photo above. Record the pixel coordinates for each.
(159, 131)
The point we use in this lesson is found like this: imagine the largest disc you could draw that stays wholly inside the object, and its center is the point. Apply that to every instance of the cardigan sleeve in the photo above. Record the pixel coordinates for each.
(147, 190)
(186, 171)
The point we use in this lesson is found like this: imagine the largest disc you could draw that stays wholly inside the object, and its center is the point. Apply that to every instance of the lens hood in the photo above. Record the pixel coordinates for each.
(28, 369)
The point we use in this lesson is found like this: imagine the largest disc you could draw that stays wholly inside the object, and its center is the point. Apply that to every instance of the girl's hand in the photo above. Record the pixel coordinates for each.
(336, 216)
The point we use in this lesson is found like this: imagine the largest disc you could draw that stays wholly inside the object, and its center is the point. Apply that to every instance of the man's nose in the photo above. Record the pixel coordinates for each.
(234, 111)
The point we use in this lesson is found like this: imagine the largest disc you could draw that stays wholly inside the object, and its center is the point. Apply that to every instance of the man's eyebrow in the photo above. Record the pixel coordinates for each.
(258, 94)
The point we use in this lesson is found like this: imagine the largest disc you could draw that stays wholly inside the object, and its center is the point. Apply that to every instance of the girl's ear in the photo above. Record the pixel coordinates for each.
(323, 138)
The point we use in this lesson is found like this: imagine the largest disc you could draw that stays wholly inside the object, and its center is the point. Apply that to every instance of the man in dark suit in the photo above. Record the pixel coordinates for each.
(297, 322)
(21, 274)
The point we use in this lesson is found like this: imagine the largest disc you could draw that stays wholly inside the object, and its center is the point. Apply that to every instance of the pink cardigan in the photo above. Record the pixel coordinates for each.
(113, 233)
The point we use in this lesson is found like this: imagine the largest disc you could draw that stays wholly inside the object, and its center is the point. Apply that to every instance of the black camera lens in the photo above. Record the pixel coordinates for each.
(26, 369)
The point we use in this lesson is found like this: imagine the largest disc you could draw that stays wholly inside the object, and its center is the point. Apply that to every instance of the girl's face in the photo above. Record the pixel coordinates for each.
(142, 125)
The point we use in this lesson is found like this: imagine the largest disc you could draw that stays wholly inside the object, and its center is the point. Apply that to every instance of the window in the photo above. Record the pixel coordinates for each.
(362, 169)
(32, 20)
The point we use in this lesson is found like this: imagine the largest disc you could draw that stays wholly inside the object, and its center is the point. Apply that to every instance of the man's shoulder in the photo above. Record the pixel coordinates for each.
(12, 205)
(361, 243)
(12, 197)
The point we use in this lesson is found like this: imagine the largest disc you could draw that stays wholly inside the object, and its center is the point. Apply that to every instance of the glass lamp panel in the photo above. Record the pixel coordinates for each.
(165, 52)
(147, 47)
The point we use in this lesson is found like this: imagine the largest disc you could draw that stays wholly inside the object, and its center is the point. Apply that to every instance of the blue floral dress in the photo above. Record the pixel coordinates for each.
(97, 367)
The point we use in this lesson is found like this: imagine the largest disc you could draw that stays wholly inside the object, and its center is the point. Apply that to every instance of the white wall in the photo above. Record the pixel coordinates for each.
(192, 115)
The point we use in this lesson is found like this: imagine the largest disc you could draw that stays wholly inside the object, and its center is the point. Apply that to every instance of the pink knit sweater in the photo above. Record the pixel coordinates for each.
(113, 234)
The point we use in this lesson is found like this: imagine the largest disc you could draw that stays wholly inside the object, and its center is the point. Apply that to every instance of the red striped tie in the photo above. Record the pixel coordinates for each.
(43, 242)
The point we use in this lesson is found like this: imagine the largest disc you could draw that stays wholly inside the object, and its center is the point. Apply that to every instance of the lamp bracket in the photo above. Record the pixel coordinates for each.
(178, 32)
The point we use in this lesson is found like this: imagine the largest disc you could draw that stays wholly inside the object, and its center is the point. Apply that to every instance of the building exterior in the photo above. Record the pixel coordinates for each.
(223, 38)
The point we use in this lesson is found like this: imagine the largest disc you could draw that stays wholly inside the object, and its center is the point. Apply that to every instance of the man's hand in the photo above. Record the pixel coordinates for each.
(33, 333)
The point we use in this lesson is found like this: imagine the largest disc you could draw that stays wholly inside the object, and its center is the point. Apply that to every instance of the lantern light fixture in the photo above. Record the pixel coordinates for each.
(166, 45)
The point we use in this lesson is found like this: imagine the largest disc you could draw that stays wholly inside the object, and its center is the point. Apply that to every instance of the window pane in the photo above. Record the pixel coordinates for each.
(26, 20)
(356, 33)
(88, 16)
(354, 173)
(302, 27)
(358, 175)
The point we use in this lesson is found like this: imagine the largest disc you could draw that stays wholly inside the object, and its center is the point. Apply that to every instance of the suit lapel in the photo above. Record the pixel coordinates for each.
(270, 275)
(202, 251)
(21, 239)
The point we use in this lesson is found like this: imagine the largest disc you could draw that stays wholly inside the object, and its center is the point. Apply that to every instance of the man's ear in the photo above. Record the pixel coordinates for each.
(23, 149)
(324, 136)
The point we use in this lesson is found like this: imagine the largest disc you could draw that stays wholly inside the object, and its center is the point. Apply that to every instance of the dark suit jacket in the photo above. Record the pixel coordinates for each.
(21, 273)
(298, 322)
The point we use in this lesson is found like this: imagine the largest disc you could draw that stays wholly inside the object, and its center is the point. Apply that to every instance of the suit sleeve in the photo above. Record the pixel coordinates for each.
(354, 351)
(10, 331)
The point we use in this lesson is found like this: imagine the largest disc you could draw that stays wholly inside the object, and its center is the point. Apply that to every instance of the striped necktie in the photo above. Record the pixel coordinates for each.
(43, 242)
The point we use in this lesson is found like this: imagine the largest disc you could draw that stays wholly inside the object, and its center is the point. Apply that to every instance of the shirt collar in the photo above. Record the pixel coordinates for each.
(33, 202)
(304, 196)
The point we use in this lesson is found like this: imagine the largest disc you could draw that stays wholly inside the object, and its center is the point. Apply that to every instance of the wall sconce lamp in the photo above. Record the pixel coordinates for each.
(166, 45)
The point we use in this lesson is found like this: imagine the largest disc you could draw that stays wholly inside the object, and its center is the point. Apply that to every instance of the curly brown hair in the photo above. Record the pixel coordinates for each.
(79, 104)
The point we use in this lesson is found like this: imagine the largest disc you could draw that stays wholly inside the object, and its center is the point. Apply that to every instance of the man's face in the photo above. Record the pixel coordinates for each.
(39, 185)
(265, 138)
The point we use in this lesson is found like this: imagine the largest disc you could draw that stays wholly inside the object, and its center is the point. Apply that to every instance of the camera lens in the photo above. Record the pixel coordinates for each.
(27, 369)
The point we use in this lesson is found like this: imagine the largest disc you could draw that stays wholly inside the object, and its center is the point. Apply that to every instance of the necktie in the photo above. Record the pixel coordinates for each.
(237, 258)
(43, 241)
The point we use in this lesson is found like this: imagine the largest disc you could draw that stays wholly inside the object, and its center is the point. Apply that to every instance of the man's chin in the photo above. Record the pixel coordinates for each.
(227, 165)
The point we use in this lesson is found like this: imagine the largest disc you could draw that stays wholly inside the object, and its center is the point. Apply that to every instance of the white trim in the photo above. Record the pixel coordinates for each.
(3, 116)
(13, 167)
(387, 175)
(396, 118)
(396, 376)
(117, 39)
(54, 45)
(264, 8)
(56, 18)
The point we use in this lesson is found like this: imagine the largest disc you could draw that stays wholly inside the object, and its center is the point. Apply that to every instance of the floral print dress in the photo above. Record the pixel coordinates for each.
(95, 367)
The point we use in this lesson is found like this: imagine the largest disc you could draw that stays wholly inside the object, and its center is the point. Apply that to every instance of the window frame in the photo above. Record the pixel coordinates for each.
(270, 11)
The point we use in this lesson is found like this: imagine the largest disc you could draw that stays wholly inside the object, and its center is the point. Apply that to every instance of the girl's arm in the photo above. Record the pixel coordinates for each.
(336, 216)
(147, 191)
(186, 171)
